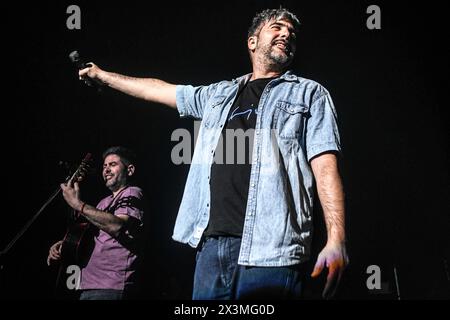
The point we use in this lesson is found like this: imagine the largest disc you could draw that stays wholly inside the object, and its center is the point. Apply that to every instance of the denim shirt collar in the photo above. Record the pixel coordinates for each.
(288, 76)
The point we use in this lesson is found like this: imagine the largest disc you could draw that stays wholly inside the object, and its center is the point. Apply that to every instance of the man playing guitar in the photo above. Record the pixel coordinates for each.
(110, 269)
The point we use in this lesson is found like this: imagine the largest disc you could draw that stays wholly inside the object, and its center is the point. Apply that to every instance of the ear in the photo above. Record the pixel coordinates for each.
(251, 43)
(130, 170)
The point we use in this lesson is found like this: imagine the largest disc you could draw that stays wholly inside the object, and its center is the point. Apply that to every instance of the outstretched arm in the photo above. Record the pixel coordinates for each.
(153, 90)
(331, 195)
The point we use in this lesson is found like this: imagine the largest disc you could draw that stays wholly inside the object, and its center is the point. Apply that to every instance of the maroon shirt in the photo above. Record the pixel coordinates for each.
(111, 265)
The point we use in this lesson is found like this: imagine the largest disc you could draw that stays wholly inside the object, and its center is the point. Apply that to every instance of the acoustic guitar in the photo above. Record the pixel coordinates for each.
(78, 242)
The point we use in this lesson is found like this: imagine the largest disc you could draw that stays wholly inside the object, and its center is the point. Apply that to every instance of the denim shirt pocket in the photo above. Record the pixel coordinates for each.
(290, 118)
(213, 111)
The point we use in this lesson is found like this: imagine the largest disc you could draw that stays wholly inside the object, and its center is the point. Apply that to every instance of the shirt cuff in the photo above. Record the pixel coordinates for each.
(317, 149)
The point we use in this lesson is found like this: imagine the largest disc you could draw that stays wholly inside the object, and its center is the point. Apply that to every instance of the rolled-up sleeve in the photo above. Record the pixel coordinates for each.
(130, 203)
(191, 101)
(322, 132)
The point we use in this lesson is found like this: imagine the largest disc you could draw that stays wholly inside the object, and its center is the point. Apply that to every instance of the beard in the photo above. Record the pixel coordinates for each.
(115, 183)
(276, 57)
(111, 184)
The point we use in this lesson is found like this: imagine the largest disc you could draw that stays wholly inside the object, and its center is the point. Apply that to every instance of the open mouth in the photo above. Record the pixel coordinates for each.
(283, 46)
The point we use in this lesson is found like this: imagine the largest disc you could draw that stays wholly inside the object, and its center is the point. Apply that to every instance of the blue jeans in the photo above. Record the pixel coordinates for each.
(219, 277)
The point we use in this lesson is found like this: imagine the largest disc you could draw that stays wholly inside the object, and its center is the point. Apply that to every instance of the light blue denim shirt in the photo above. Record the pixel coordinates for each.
(296, 120)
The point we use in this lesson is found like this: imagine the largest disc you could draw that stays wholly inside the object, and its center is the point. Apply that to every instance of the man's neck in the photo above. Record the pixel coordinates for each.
(118, 190)
(262, 75)
(265, 72)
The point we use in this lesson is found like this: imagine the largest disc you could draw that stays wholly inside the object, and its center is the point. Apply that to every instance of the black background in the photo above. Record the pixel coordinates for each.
(390, 87)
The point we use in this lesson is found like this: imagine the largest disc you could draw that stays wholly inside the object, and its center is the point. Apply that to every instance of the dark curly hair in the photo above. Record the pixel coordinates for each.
(127, 156)
(265, 16)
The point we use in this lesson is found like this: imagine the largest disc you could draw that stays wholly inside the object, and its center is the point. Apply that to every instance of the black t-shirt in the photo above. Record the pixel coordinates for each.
(230, 172)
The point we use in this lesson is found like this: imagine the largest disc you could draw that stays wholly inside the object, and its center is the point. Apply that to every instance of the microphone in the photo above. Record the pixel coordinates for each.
(75, 58)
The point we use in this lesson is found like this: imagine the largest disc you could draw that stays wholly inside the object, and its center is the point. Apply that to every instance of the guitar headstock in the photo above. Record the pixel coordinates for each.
(83, 169)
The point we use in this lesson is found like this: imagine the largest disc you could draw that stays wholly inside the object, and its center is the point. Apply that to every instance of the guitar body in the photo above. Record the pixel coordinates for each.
(76, 250)
(78, 243)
